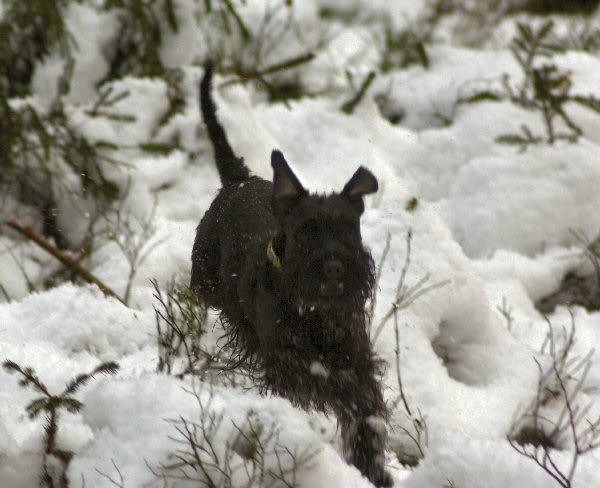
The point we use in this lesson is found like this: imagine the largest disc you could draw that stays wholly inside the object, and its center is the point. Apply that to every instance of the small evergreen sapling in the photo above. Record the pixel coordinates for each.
(404, 49)
(544, 88)
(50, 406)
(39, 151)
(180, 325)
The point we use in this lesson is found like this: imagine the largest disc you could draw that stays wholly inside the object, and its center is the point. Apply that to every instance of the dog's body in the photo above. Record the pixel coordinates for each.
(290, 274)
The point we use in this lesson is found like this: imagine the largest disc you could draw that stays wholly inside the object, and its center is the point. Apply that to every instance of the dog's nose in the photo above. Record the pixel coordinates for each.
(333, 269)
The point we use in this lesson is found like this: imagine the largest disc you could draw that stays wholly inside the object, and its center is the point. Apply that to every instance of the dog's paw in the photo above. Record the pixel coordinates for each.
(384, 480)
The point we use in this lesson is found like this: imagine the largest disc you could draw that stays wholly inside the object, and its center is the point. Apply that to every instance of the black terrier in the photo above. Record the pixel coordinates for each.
(291, 277)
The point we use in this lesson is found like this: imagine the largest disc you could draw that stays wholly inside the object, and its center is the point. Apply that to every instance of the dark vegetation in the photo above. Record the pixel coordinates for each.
(560, 6)
(580, 286)
(28, 31)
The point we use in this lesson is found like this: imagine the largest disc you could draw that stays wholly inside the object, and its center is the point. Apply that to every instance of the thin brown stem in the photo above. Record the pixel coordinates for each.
(66, 260)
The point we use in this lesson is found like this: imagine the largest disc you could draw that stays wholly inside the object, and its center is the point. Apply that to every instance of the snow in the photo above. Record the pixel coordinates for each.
(125, 436)
(517, 197)
(91, 31)
(492, 228)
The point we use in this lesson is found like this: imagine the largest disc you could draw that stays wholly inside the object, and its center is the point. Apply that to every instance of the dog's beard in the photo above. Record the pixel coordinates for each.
(304, 287)
(323, 346)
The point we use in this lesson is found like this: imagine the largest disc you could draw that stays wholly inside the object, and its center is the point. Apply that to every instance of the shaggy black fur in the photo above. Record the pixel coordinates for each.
(290, 274)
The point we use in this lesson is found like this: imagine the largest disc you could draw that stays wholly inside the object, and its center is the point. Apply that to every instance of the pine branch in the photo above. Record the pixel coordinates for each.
(588, 101)
(36, 407)
(524, 140)
(259, 74)
(287, 64)
(243, 29)
(349, 106)
(29, 376)
(70, 404)
(82, 379)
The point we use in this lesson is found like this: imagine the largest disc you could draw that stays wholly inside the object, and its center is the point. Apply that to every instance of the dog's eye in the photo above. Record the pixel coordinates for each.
(313, 230)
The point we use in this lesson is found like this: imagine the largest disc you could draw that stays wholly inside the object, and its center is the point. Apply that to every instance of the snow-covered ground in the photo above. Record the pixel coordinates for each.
(491, 226)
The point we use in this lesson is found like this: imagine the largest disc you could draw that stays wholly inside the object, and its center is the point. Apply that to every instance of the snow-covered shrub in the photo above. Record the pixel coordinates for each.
(559, 416)
(136, 50)
(46, 158)
(216, 453)
(181, 322)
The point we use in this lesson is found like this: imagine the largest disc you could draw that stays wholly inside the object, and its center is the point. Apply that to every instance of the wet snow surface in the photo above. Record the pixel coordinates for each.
(491, 226)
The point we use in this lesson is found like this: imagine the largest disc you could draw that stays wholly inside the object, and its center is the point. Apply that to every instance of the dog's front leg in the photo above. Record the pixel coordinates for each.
(363, 421)
(261, 304)
(364, 445)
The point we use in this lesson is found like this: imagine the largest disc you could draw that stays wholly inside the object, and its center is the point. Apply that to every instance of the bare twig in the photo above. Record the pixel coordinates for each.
(120, 482)
(398, 376)
(405, 295)
(132, 236)
(378, 272)
(564, 382)
(4, 292)
(506, 311)
(243, 29)
(419, 434)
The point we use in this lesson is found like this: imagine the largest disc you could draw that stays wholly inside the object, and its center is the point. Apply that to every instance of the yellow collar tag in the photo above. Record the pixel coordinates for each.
(273, 258)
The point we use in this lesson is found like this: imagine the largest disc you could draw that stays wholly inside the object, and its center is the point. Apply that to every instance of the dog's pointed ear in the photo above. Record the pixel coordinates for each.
(362, 183)
(287, 188)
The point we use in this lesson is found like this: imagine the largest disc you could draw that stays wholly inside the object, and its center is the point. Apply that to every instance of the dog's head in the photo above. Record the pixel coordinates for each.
(323, 260)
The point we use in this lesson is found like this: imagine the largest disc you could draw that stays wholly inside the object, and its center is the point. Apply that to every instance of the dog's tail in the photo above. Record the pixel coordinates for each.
(231, 168)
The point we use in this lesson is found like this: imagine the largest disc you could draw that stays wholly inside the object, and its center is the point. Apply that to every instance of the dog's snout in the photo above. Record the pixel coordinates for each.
(333, 269)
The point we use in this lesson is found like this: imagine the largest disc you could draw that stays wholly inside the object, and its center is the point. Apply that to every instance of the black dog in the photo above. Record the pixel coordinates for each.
(290, 274)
